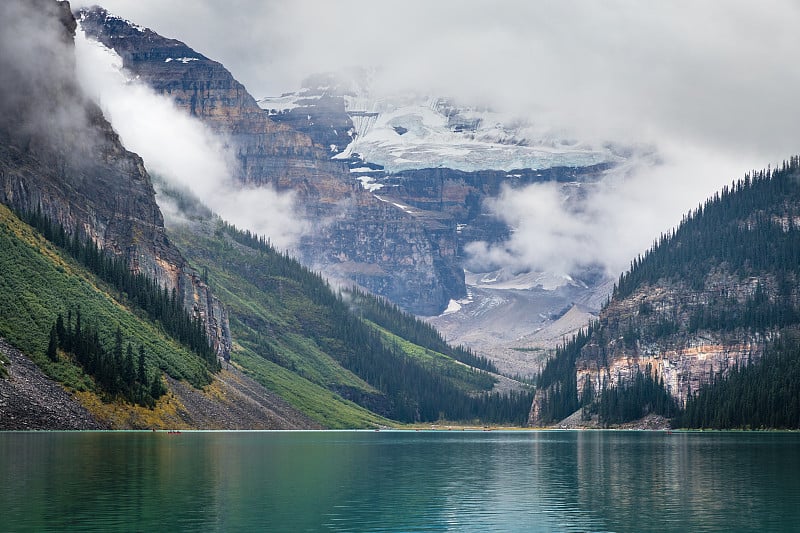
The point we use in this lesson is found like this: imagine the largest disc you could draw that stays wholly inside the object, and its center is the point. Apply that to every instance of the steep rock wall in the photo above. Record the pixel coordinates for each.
(59, 154)
(275, 154)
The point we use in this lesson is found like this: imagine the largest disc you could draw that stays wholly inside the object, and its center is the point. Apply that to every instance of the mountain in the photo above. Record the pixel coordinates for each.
(60, 156)
(400, 183)
(441, 162)
(715, 298)
(357, 237)
(99, 329)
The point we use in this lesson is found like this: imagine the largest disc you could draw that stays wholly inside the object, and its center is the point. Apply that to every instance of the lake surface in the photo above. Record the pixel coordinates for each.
(400, 481)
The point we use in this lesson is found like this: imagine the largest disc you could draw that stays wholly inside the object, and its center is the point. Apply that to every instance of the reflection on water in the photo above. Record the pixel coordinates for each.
(400, 481)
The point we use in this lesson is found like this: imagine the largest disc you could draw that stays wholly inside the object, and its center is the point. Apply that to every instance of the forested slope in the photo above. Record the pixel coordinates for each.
(294, 333)
(707, 313)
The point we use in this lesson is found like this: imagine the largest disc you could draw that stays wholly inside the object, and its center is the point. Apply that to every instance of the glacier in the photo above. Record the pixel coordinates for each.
(409, 131)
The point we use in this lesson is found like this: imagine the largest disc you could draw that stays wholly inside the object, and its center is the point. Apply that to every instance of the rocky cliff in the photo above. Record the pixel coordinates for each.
(357, 236)
(58, 154)
(653, 327)
(708, 297)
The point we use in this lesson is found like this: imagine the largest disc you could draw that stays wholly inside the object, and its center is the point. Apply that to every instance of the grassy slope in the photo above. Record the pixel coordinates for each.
(270, 333)
(37, 283)
(463, 376)
(275, 324)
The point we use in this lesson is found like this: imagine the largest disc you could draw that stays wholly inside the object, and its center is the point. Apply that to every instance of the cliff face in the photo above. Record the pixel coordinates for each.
(685, 359)
(357, 236)
(458, 196)
(60, 155)
(653, 328)
(709, 297)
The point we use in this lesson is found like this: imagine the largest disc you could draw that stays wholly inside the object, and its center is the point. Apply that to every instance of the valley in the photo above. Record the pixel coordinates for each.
(340, 256)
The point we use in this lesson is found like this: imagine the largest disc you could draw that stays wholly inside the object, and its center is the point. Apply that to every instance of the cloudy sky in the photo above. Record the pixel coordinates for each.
(711, 85)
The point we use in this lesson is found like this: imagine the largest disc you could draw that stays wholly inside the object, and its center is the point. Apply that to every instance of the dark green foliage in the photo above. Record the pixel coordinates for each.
(557, 380)
(113, 372)
(410, 389)
(631, 401)
(52, 345)
(765, 394)
(389, 316)
(748, 230)
(142, 291)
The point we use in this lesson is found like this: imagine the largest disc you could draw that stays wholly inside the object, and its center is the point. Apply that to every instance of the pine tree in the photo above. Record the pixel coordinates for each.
(52, 346)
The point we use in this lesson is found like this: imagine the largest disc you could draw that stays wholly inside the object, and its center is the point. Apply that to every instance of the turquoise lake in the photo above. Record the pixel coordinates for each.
(400, 481)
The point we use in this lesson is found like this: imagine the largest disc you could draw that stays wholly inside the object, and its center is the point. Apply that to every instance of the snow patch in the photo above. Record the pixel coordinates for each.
(183, 60)
(278, 104)
(368, 183)
(452, 307)
(405, 208)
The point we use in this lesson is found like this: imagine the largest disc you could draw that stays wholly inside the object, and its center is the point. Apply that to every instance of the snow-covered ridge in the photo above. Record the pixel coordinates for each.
(404, 134)
(410, 131)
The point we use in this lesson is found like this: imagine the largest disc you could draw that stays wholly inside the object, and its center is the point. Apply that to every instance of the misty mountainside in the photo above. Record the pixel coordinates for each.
(441, 163)
(106, 280)
(60, 156)
(703, 326)
(354, 236)
(105, 303)
(396, 189)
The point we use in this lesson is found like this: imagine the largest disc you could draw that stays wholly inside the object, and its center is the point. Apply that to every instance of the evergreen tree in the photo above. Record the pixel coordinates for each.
(141, 373)
(52, 346)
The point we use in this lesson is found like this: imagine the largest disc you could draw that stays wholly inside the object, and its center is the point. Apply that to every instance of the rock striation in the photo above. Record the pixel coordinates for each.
(357, 237)
(686, 361)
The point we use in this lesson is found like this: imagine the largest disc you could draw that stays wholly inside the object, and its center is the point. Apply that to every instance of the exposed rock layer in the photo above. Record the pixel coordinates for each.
(356, 236)
(58, 154)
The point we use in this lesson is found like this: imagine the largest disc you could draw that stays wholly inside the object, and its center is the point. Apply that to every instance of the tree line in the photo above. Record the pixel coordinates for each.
(159, 304)
(749, 230)
(749, 227)
(387, 315)
(413, 391)
(644, 395)
(115, 370)
(764, 394)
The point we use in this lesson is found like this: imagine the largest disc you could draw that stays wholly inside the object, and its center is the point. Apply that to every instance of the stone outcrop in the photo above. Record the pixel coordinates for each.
(652, 328)
(357, 237)
(58, 154)
(685, 360)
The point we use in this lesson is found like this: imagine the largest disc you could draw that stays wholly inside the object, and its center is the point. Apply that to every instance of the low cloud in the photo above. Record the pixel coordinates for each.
(710, 86)
(566, 228)
(180, 149)
(41, 108)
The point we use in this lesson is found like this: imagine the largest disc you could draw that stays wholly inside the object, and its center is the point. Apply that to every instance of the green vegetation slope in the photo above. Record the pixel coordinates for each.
(728, 275)
(299, 337)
